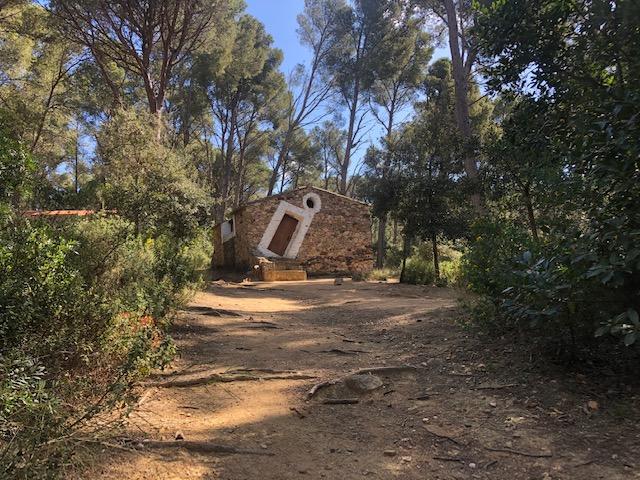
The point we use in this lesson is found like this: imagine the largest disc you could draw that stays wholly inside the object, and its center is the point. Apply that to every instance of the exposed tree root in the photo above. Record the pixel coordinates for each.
(212, 312)
(341, 401)
(495, 387)
(319, 386)
(258, 370)
(517, 452)
(386, 370)
(339, 351)
(224, 378)
(445, 437)
(201, 447)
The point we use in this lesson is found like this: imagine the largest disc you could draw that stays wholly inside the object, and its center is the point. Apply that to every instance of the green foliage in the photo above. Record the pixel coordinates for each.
(419, 271)
(382, 274)
(146, 182)
(451, 273)
(84, 307)
(486, 265)
(582, 276)
(16, 166)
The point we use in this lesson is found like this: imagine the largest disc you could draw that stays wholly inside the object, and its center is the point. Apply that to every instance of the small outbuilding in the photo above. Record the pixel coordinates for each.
(307, 230)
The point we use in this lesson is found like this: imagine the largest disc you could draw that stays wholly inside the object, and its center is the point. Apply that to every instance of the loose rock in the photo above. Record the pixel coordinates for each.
(363, 383)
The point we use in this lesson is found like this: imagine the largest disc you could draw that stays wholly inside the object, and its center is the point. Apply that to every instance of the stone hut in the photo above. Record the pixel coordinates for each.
(307, 230)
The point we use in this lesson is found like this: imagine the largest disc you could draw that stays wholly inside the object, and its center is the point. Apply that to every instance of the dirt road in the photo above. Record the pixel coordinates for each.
(250, 354)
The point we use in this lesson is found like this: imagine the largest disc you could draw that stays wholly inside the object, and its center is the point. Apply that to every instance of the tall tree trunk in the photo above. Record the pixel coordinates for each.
(382, 225)
(344, 166)
(382, 240)
(76, 187)
(227, 167)
(395, 231)
(463, 120)
(436, 258)
(406, 247)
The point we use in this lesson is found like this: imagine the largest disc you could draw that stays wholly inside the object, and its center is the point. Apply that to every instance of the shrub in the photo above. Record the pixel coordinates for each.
(84, 307)
(486, 264)
(382, 274)
(451, 272)
(419, 271)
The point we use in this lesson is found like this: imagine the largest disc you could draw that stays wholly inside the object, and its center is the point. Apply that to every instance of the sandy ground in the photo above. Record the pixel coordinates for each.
(469, 409)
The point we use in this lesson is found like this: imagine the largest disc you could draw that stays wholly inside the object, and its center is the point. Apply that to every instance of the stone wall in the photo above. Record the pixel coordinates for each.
(218, 252)
(338, 241)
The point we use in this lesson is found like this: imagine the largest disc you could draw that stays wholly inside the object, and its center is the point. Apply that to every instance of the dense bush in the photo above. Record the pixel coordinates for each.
(84, 307)
(486, 265)
(419, 271)
(569, 156)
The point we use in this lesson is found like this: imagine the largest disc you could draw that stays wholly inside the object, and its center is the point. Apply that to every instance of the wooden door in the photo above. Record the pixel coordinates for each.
(283, 235)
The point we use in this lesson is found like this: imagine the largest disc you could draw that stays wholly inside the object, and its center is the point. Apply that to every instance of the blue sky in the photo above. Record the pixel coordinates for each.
(279, 18)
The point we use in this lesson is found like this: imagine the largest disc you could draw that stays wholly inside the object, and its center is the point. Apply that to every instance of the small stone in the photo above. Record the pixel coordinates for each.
(425, 420)
(493, 404)
(263, 446)
(405, 459)
(338, 281)
(363, 383)
(390, 453)
(179, 435)
(593, 405)
(472, 465)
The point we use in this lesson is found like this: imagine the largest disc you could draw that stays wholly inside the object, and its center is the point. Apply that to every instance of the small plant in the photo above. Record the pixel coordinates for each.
(382, 274)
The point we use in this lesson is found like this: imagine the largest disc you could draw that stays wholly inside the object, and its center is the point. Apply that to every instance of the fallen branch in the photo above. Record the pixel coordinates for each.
(222, 378)
(444, 437)
(343, 352)
(449, 459)
(424, 396)
(201, 447)
(495, 387)
(341, 401)
(517, 452)
(319, 386)
(258, 370)
(383, 370)
(267, 325)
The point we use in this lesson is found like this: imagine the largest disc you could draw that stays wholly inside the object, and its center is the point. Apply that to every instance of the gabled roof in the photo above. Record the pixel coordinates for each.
(253, 202)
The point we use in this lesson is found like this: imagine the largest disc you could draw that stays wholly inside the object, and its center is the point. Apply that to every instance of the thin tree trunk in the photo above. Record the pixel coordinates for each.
(436, 258)
(405, 253)
(76, 187)
(382, 226)
(395, 231)
(382, 241)
(284, 151)
(344, 167)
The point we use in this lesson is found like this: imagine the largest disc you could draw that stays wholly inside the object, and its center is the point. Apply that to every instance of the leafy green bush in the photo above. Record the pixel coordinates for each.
(419, 271)
(487, 264)
(84, 307)
(451, 272)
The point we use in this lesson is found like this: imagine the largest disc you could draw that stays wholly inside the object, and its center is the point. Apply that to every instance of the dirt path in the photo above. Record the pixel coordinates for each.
(464, 412)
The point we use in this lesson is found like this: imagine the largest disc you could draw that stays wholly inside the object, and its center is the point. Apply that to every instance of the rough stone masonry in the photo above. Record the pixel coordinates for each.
(332, 234)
